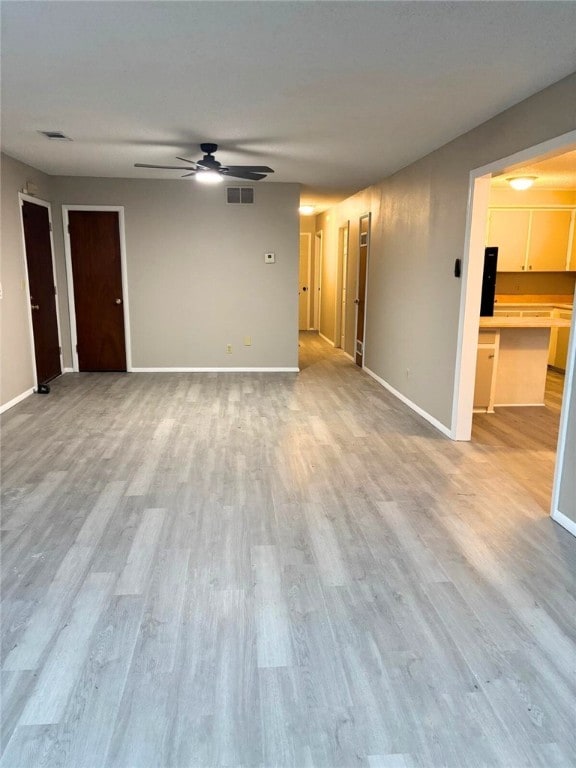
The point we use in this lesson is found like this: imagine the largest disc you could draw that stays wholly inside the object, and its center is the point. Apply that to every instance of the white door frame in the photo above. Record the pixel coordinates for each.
(341, 285)
(318, 257)
(569, 383)
(123, 268)
(308, 236)
(23, 197)
(368, 216)
(473, 262)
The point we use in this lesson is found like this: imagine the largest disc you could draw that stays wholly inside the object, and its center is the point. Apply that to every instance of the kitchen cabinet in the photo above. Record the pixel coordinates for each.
(508, 229)
(548, 242)
(572, 264)
(558, 352)
(533, 239)
(485, 371)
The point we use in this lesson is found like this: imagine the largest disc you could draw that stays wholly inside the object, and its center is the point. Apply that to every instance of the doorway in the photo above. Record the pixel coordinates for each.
(37, 234)
(95, 261)
(304, 267)
(341, 283)
(317, 279)
(480, 180)
(360, 300)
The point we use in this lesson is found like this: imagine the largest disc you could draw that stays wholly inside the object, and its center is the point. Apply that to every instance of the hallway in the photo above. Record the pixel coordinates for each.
(276, 570)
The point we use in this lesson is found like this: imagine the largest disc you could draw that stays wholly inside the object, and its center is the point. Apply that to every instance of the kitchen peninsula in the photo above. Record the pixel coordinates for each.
(513, 352)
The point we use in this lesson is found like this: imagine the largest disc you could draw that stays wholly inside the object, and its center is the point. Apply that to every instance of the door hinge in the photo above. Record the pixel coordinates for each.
(50, 226)
(60, 350)
(55, 293)
(76, 347)
(68, 228)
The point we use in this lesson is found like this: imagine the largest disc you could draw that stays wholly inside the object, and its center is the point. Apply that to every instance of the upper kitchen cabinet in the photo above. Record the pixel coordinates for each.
(549, 240)
(572, 265)
(533, 239)
(508, 229)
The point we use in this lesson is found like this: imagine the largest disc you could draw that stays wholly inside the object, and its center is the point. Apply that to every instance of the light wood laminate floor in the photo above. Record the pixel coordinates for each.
(279, 570)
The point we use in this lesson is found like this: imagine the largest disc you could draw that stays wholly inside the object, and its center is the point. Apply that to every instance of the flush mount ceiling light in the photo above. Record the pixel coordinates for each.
(209, 177)
(521, 182)
(307, 210)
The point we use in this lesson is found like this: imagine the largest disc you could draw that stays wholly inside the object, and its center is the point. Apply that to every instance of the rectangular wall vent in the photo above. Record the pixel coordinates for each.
(242, 195)
(55, 135)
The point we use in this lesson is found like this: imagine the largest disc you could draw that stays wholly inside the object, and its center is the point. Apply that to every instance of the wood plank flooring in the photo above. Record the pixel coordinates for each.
(258, 570)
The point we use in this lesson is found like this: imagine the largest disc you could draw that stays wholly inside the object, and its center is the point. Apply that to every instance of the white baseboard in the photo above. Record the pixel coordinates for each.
(564, 521)
(16, 400)
(68, 370)
(216, 370)
(350, 357)
(425, 415)
(326, 339)
(519, 405)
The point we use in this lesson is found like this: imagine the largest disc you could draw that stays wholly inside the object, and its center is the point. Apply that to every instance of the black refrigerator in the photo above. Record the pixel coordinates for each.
(489, 281)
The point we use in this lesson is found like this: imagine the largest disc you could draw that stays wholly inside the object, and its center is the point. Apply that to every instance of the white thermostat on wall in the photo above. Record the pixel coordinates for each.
(269, 258)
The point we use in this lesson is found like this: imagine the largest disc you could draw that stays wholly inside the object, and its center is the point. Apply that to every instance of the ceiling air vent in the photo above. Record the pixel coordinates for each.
(55, 135)
(242, 195)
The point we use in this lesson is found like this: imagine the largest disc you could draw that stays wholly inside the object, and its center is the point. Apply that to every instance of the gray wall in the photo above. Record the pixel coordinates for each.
(17, 372)
(418, 230)
(196, 272)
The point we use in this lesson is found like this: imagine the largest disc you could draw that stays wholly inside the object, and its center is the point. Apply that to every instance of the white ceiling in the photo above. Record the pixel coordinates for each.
(333, 95)
(558, 172)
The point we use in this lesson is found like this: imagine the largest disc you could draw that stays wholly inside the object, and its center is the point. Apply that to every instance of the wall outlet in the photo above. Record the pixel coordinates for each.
(228, 349)
(247, 341)
(269, 258)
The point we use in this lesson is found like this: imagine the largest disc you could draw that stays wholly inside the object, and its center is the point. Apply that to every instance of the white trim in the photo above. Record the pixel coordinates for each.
(307, 235)
(349, 356)
(68, 370)
(464, 376)
(368, 245)
(124, 273)
(564, 521)
(16, 400)
(318, 265)
(518, 405)
(416, 408)
(326, 339)
(209, 369)
(559, 469)
(23, 197)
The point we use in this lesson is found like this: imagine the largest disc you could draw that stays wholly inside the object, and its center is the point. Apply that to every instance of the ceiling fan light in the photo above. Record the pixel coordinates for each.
(209, 177)
(521, 182)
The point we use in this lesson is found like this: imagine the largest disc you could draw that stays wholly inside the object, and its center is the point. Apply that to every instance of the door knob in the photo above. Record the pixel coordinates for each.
(118, 301)
(35, 306)
(356, 301)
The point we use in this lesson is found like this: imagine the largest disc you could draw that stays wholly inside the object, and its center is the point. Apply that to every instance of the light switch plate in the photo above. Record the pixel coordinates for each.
(269, 258)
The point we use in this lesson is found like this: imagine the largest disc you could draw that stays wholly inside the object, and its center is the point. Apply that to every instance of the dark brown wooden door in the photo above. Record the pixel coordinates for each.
(98, 298)
(360, 300)
(42, 290)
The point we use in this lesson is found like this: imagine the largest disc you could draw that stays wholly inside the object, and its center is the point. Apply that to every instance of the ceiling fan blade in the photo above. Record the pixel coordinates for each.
(243, 174)
(250, 168)
(166, 167)
(185, 160)
(212, 165)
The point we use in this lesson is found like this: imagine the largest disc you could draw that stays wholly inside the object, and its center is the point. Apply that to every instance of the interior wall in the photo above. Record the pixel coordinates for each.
(197, 280)
(418, 230)
(17, 369)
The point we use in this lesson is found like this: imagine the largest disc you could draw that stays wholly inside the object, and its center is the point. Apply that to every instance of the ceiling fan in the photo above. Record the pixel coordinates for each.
(210, 170)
